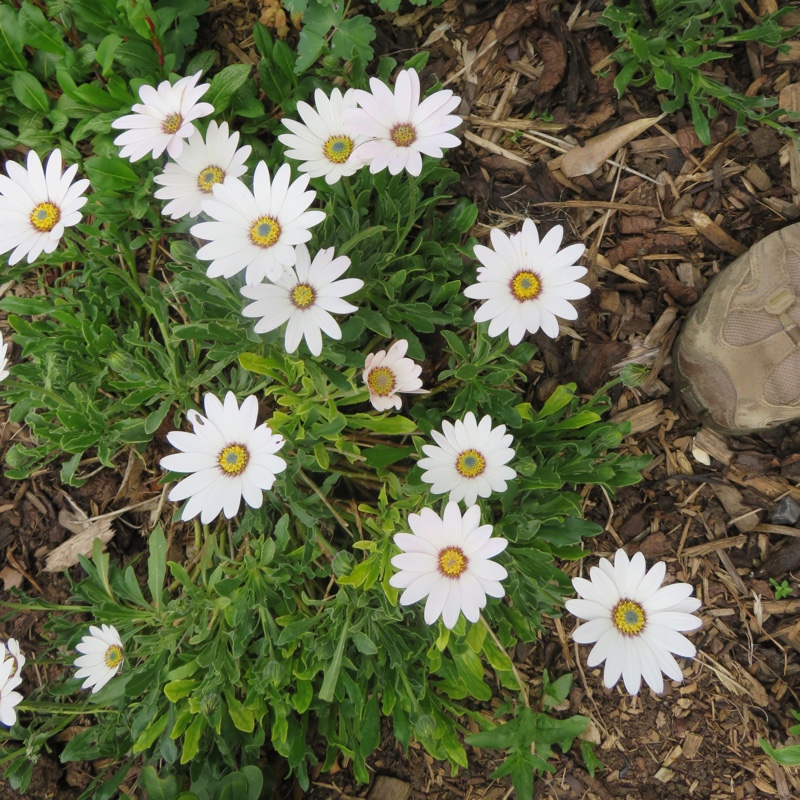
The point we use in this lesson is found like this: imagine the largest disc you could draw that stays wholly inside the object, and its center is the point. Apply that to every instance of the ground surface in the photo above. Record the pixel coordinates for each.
(656, 231)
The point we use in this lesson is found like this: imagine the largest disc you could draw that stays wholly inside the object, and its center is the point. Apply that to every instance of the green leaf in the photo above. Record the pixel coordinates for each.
(328, 690)
(150, 734)
(788, 756)
(106, 51)
(391, 425)
(157, 565)
(158, 788)
(30, 92)
(310, 47)
(353, 38)
(241, 716)
(225, 84)
(38, 31)
(176, 690)
(593, 763)
(110, 173)
(10, 41)
(191, 739)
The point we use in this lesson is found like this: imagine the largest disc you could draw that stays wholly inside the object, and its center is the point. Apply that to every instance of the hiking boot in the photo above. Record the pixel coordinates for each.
(737, 359)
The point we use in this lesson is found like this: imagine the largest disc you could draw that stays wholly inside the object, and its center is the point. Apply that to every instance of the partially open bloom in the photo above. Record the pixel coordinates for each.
(324, 143)
(229, 458)
(448, 560)
(470, 459)
(389, 374)
(634, 621)
(190, 179)
(526, 283)
(3, 358)
(305, 296)
(36, 205)
(11, 663)
(102, 657)
(257, 231)
(402, 128)
(163, 119)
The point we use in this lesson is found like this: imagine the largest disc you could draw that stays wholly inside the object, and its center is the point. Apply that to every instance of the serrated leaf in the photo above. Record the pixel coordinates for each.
(352, 39)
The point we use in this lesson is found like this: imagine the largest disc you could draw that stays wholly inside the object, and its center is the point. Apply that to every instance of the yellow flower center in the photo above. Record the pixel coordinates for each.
(303, 295)
(381, 381)
(470, 463)
(172, 123)
(403, 135)
(265, 231)
(338, 148)
(233, 459)
(208, 177)
(113, 656)
(525, 285)
(452, 562)
(628, 617)
(45, 217)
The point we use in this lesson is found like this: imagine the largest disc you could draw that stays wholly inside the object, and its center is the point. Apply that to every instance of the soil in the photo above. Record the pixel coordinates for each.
(657, 229)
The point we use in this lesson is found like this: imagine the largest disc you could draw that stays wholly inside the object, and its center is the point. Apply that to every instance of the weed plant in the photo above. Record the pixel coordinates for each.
(281, 630)
(669, 42)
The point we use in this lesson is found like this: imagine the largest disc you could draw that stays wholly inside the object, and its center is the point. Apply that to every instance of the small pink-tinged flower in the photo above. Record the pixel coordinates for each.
(387, 374)
(402, 128)
(163, 119)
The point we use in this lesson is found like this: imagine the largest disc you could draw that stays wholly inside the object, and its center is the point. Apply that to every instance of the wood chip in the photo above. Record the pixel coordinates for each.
(712, 443)
(642, 418)
(758, 177)
(743, 517)
(691, 745)
(791, 56)
(709, 229)
(387, 788)
(86, 531)
(716, 544)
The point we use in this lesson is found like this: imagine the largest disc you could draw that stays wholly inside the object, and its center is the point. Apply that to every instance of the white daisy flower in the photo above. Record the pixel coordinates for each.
(304, 297)
(634, 621)
(163, 119)
(448, 560)
(36, 205)
(10, 679)
(102, 657)
(229, 458)
(258, 230)
(403, 129)
(325, 144)
(10, 649)
(470, 459)
(3, 359)
(190, 179)
(526, 283)
(388, 374)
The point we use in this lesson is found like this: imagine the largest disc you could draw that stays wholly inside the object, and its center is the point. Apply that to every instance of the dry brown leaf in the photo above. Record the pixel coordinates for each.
(585, 160)
(11, 578)
(66, 554)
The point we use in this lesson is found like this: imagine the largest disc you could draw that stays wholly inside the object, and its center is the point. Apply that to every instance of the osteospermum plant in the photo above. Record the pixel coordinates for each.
(302, 360)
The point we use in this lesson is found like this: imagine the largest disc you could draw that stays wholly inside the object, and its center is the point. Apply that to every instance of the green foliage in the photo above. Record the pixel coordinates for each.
(529, 737)
(781, 589)
(328, 32)
(683, 36)
(284, 621)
